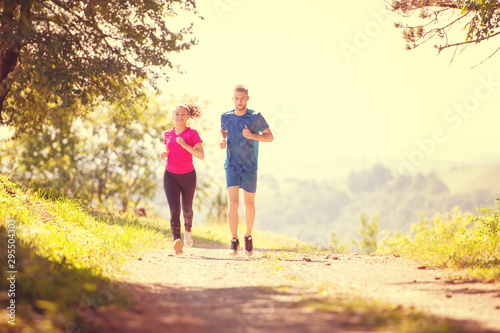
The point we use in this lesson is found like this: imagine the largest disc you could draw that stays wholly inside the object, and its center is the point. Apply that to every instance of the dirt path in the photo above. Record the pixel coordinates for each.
(206, 290)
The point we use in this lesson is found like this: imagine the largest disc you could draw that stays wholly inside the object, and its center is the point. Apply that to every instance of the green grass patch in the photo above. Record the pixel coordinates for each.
(465, 242)
(66, 258)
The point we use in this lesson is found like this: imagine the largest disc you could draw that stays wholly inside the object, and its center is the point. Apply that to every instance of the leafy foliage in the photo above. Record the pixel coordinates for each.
(438, 18)
(482, 243)
(61, 57)
(369, 233)
(467, 242)
(337, 246)
(105, 160)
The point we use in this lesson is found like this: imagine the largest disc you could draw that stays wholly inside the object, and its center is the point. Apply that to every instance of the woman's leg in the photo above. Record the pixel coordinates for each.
(173, 194)
(188, 187)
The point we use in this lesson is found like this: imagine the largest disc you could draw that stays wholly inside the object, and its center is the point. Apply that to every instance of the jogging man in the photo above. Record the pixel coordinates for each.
(242, 129)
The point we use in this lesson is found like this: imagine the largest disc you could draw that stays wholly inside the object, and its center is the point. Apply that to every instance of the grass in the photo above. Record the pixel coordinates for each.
(67, 259)
(469, 244)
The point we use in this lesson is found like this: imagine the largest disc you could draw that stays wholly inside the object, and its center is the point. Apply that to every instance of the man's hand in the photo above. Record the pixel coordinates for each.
(247, 133)
(223, 144)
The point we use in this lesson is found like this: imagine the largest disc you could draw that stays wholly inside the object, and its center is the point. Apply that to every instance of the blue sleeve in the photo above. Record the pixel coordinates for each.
(222, 124)
(261, 123)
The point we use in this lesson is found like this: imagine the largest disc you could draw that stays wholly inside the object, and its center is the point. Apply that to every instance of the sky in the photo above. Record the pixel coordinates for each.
(338, 88)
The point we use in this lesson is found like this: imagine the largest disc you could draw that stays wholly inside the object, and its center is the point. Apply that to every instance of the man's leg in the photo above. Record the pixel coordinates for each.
(232, 211)
(249, 199)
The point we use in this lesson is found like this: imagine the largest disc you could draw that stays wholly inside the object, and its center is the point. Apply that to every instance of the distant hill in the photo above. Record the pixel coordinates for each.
(470, 179)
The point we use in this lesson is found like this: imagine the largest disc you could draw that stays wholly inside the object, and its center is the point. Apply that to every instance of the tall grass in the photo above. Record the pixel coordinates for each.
(466, 242)
(66, 258)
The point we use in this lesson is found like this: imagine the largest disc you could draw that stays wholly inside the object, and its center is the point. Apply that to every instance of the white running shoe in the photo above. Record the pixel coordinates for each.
(188, 239)
(178, 246)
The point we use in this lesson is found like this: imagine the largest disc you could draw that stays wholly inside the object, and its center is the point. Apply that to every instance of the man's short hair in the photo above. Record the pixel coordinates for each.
(241, 88)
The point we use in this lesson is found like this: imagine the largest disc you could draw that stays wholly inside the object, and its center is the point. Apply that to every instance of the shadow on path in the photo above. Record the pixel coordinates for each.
(160, 308)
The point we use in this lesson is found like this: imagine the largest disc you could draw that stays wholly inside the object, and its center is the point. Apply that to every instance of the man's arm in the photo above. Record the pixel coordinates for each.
(224, 136)
(266, 136)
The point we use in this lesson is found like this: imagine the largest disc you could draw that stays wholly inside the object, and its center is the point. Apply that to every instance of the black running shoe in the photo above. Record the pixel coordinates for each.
(235, 246)
(248, 246)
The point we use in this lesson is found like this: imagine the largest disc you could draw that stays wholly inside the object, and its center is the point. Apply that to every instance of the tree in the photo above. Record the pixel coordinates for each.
(479, 18)
(369, 233)
(104, 160)
(369, 180)
(59, 58)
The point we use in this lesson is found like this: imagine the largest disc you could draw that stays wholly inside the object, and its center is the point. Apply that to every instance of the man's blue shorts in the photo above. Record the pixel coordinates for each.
(243, 179)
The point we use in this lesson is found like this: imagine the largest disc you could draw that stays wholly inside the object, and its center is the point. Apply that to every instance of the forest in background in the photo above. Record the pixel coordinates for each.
(311, 210)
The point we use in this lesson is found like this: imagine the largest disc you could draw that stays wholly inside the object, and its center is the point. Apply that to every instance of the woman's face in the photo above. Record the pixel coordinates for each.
(180, 116)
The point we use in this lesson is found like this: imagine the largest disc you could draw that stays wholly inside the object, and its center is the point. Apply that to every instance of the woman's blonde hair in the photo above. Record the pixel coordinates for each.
(193, 110)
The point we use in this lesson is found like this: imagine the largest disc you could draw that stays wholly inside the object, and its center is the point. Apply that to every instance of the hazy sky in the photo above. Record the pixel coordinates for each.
(338, 88)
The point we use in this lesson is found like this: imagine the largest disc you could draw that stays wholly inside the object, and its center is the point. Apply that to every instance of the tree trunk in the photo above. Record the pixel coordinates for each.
(8, 61)
(11, 47)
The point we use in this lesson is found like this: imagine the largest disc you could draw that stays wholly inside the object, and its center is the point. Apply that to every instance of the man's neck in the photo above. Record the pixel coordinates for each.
(240, 113)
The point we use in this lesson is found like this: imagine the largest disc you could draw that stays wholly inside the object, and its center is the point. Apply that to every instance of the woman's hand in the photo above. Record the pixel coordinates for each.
(164, 154)
(180, 141)
(223, 144)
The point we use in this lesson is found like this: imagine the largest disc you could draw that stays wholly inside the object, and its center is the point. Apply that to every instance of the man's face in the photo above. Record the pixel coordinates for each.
(240, 100)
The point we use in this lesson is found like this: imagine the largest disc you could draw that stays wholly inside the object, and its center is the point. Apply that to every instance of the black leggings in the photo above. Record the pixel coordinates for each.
(175, 185)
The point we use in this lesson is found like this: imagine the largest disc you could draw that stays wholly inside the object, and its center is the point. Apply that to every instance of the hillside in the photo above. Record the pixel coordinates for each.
(311, 210)
(479, 178)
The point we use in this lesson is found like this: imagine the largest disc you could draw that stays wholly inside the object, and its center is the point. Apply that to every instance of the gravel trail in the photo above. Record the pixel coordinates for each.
(206, 290)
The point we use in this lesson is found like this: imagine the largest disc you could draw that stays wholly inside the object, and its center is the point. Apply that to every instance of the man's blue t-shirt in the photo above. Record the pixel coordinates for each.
(242, 152)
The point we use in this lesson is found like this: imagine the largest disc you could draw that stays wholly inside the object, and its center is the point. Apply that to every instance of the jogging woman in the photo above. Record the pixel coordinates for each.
(179, 180)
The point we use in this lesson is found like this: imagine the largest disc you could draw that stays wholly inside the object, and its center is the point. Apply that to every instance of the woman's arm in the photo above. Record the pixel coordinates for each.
(196, 151)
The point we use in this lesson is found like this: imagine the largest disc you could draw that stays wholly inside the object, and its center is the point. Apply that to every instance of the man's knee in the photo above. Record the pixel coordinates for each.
(249, 202)
(233, 199)
(233, 202)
